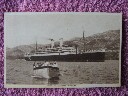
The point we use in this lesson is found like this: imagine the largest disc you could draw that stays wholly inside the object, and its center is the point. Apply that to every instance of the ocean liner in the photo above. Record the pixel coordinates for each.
(66, 54)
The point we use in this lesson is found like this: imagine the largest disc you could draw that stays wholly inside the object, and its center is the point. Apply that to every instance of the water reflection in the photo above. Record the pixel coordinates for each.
(46, 81)
(53, 80)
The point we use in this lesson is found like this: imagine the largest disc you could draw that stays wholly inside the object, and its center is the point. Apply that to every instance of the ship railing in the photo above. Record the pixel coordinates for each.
(100, 50)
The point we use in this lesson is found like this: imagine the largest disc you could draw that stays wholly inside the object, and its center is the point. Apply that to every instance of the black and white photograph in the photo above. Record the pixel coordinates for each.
(62, 50)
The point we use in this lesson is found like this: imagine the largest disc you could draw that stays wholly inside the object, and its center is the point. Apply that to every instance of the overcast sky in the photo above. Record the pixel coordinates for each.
(23, 28)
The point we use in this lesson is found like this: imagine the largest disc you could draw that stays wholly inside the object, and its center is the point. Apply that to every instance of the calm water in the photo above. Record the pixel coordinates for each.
(21, 71)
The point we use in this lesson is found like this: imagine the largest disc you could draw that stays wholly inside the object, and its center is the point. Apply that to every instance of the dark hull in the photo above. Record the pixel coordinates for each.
(85, 57)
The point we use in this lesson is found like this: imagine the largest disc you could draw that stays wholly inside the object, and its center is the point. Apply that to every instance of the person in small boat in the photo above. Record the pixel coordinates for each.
(46, 63)
(55, 64)
(34, 65)
(38, 64)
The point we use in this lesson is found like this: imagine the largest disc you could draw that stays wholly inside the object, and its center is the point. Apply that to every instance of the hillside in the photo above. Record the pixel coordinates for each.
(109, 40)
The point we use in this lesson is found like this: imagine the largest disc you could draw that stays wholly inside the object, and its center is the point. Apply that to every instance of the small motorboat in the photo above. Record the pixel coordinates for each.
(45, 70)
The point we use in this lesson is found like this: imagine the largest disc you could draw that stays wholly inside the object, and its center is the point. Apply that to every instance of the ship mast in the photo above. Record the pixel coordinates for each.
(52, 42)
(84, 41)
(36, 46)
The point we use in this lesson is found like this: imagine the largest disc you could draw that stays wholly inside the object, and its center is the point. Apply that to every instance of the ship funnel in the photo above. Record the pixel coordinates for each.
(36, 46)
(61, 42)
(52, 43)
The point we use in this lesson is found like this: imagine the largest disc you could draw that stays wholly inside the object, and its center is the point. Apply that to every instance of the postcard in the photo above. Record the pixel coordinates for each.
(62, 50)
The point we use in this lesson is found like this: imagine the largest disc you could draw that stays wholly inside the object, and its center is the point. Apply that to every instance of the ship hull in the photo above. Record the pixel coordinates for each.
(85, 57)
(46, 72)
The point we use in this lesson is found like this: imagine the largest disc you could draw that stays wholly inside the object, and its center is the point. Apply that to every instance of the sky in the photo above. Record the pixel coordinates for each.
(27, 28)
